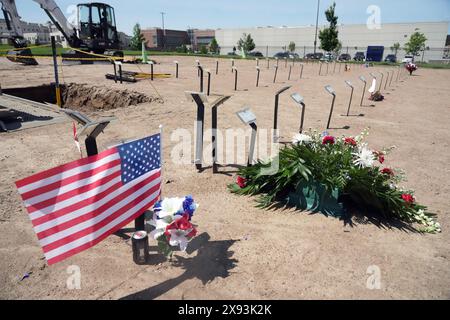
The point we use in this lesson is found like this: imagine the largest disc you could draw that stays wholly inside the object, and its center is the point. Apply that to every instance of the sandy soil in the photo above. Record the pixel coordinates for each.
(250, 253)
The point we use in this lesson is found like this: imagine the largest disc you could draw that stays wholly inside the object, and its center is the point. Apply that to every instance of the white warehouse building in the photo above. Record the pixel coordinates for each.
(270, 40)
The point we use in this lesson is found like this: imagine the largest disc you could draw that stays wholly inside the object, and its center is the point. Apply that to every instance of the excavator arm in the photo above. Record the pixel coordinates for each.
(51, 9)
(13, 24)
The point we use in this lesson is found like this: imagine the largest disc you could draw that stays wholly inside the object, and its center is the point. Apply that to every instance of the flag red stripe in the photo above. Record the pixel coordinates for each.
(68, 166)
(98, 211)
(76, 206)
(69, 180)
(72, 193)
(92, 243)
(101, 224)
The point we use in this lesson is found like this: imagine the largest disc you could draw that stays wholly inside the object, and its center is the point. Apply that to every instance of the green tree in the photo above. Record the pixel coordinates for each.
(138, 38)
(416, 43)
(246, 43)
(395, 48)
(214, 46)
(329, 39)
(292, 46)
(338, 49)
(204, 49)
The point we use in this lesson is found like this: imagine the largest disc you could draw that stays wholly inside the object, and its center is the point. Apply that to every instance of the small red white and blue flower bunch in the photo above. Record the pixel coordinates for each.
(172, 222)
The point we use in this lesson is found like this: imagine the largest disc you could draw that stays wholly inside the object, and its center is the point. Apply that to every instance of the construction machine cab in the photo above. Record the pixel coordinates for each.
(97, 27)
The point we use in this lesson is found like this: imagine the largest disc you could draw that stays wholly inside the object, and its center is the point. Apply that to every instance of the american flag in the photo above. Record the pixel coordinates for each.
(75, 206)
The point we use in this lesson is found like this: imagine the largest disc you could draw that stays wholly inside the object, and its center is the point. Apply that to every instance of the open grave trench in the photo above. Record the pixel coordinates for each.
(31, 102)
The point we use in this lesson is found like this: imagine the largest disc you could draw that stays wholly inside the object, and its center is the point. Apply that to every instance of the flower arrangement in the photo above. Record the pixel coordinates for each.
(172, 222)
(344, 166)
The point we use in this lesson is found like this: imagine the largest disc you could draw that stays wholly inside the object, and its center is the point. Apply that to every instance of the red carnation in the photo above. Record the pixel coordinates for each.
(388, 172)
(241, 182)
(409, 199)
(350, 141)
(328, 140)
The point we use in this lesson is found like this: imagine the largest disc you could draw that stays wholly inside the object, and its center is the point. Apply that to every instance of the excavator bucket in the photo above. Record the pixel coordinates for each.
(22, 56)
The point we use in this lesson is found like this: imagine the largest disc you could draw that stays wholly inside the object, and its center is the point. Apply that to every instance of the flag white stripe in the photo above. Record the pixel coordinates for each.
(68, 173)
(89, 208)
(75, 185)
(92, 236)
(80, 197)
(92, 222)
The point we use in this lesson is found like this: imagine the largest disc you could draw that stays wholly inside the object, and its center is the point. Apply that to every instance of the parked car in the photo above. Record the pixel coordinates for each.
(390, 58)
(294, 55)
(345, 57)
(314, 56)
(408, 59)
(328, 57)
(359, 56)
(281, 55)
(256, 54)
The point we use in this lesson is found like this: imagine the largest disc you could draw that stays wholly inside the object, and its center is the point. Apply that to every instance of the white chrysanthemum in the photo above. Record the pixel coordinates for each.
(364, 158)
(301, 138)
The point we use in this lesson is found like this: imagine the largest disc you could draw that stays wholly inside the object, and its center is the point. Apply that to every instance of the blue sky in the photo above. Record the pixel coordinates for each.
(249, 13)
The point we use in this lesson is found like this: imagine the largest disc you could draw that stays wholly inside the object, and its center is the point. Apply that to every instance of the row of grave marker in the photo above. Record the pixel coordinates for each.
(249, 118)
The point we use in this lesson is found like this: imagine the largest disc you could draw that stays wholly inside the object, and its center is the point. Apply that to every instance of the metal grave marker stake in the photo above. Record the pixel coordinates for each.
(351, 96)
(300, 101)
(235, 78)
(275, 112)
(151, 63)
(200, 99)
(200, 72)
(364, 90)
(249, 118)
(381, 82)
(215, 106)
(118, 64)
(275, 75)
(258, 71)
(176, 69)
(331, 91)
(209, 82)
(301, 72)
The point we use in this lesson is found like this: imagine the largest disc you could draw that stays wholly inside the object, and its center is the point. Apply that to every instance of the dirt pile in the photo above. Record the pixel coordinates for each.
(85, 97)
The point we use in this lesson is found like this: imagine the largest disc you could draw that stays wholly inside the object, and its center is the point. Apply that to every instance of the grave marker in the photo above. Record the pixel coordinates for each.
(235, 78)
(249, 118)
(300, 101)
(200, 99)
(348, 83)
(275, 113)
(176, 69)
(331, 91)
(258, 71)
(364, 90)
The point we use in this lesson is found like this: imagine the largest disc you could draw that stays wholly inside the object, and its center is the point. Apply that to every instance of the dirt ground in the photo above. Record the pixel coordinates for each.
(242, 251)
